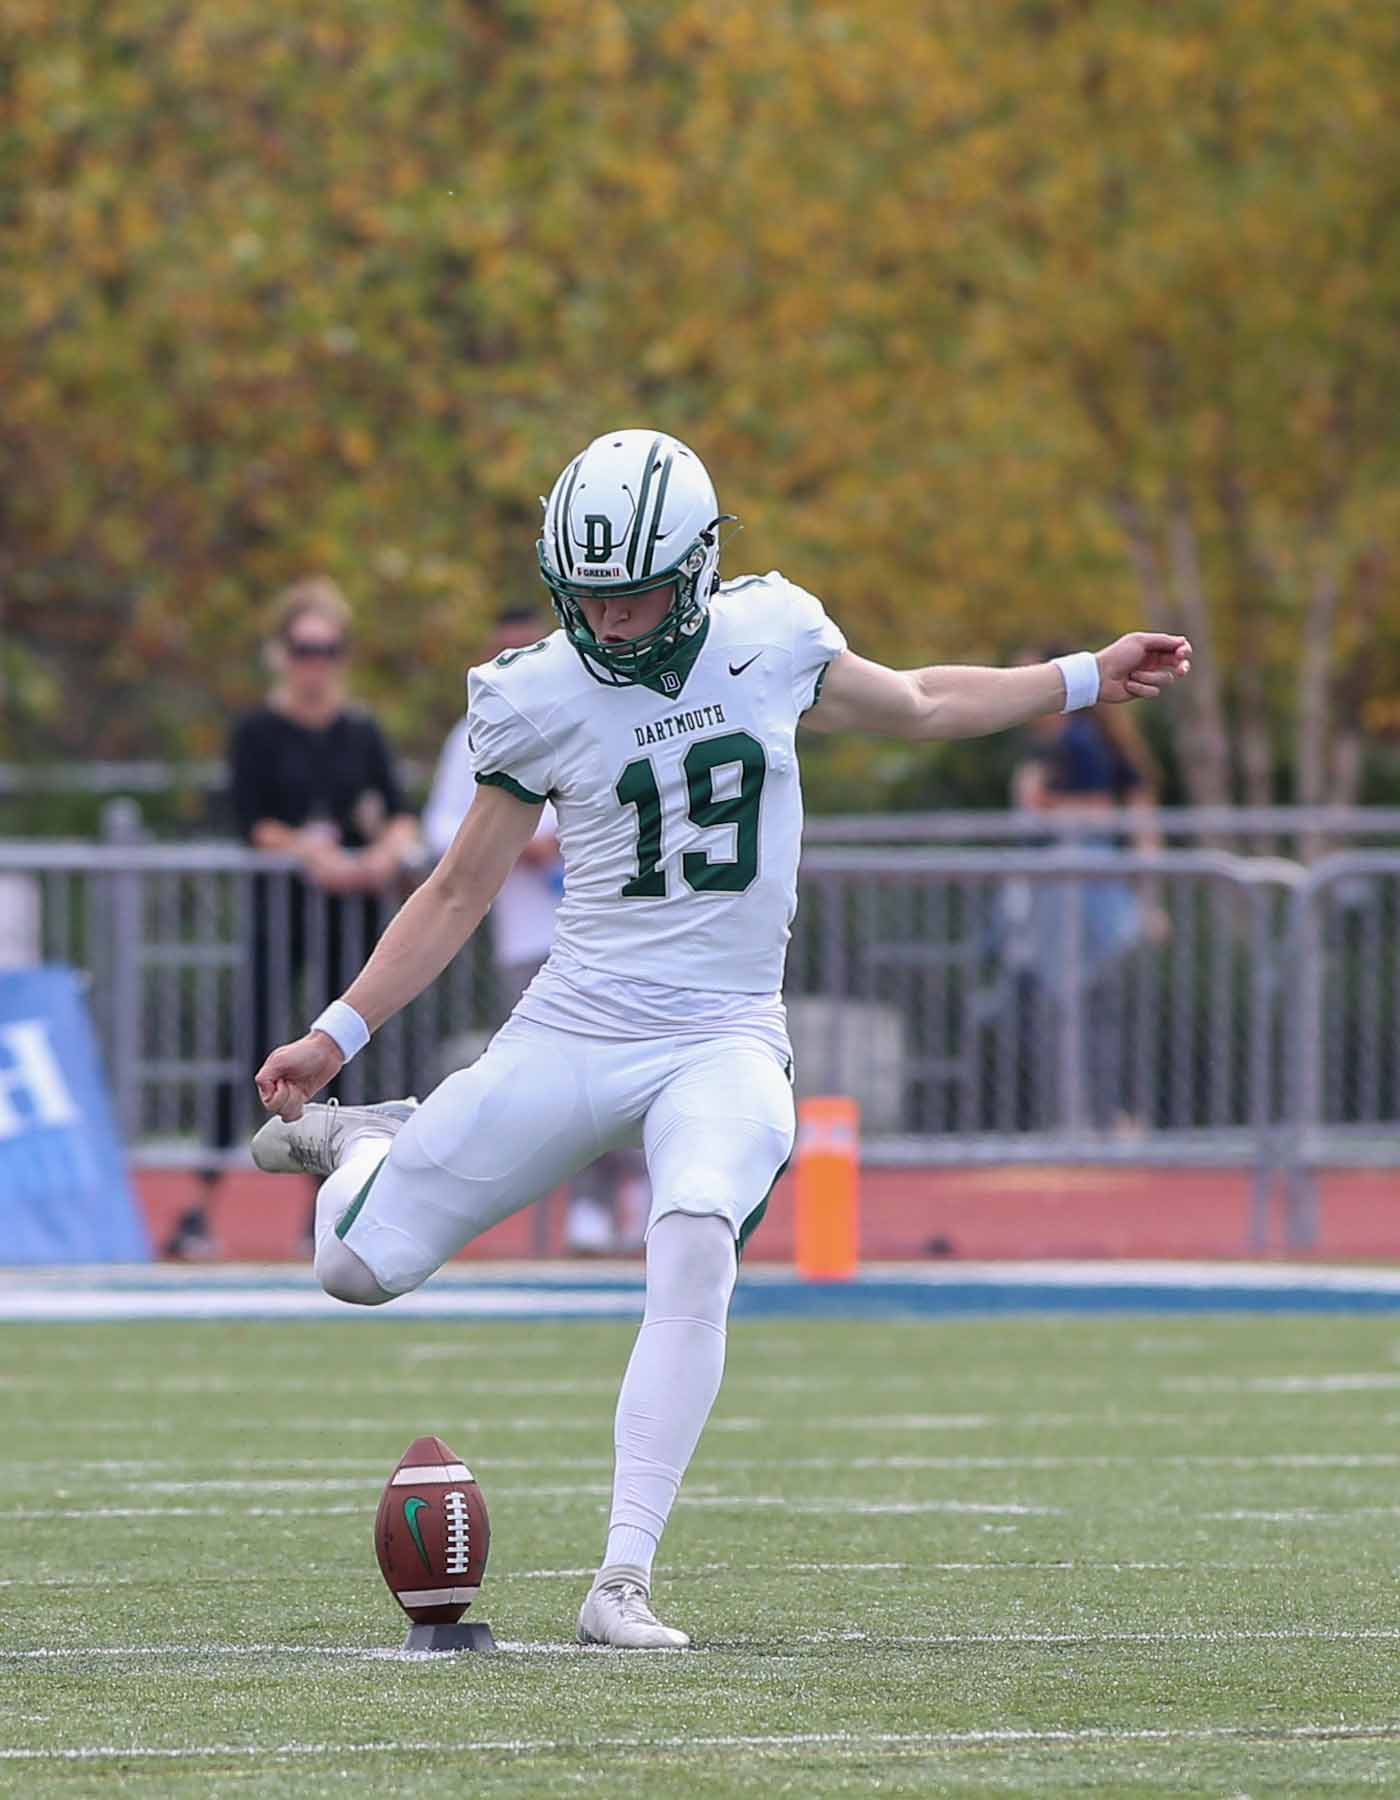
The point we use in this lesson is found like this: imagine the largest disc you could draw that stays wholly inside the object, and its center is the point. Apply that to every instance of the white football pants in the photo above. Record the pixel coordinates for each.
(714, 1116)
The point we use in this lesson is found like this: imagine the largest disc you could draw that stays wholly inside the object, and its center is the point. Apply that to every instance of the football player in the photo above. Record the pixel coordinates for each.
(660, 720)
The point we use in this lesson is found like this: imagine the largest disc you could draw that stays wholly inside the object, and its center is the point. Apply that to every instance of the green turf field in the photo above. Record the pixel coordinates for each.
(1040, 1556)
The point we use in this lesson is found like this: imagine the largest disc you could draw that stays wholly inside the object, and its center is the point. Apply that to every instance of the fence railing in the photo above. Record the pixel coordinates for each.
(201, 957)
(1070, 1003)
(1303, 831)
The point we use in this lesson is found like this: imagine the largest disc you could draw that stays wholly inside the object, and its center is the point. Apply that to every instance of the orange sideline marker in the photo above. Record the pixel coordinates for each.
(828, 1181)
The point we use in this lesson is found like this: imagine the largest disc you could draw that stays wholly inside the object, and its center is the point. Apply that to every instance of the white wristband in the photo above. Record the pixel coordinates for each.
(1080, 674)
(344, 1027)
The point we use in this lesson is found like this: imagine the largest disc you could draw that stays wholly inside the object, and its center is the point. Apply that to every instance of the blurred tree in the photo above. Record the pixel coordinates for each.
(997, 324)
(1185, 240)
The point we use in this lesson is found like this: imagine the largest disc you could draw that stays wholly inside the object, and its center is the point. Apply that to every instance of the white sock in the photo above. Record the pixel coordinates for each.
(632, 1547)
(672, 1378)
(339, 1191)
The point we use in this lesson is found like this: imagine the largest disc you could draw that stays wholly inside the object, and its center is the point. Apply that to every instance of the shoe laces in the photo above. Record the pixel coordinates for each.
(633, 1602)
(311, 1156)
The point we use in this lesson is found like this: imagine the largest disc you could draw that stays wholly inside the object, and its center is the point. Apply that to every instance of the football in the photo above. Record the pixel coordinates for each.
(431, 1533)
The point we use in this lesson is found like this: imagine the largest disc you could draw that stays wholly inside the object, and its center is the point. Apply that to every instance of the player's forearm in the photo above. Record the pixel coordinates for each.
(964, 701)
(420, 940)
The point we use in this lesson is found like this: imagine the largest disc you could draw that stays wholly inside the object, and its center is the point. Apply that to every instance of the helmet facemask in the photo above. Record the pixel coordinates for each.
(694, 578)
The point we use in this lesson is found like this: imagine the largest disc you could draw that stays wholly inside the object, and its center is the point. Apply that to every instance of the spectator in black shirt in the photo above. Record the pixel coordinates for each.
(312, 778)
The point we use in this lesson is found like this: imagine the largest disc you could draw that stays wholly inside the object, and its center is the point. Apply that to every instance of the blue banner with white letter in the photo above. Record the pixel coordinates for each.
(64, 1192)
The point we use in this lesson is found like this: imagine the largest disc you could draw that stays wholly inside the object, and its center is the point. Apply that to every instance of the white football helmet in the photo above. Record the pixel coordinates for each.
(635, 509)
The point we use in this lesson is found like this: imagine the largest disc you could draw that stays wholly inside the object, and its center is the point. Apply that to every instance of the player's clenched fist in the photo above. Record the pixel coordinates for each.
(1140, 665)
(293, 1073)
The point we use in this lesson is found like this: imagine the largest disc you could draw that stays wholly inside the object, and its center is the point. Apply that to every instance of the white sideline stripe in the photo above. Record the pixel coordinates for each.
(424, 1473)
(76, 1295)
(1344, 1278)
(851, 1742)
(55, 1306)
(450, 1596)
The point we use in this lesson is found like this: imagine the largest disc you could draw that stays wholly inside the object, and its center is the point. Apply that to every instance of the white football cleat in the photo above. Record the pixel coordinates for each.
(316, 1143)
(617, 1612)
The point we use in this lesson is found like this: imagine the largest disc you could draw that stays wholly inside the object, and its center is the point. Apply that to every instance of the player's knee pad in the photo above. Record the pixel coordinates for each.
(344, 1277)
(691, 1265)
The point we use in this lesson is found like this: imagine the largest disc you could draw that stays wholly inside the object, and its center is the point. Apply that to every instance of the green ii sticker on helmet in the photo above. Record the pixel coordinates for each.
(633, 512)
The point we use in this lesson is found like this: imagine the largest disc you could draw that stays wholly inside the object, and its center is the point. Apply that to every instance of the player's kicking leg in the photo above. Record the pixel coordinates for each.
(346, 1144)
(407, 1186)
(716, 1137)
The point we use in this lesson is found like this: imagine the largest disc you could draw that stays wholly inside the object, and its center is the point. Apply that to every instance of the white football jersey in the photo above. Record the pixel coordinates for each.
(679, 803)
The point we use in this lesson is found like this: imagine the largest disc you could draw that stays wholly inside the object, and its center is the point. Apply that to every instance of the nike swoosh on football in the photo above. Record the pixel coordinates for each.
(411, 1510)
(744, 665)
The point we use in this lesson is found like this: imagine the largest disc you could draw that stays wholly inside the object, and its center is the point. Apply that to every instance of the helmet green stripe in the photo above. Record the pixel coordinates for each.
(647, 468)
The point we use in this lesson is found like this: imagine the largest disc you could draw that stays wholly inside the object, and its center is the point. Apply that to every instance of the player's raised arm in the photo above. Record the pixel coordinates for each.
(420, 940)
(957, 701)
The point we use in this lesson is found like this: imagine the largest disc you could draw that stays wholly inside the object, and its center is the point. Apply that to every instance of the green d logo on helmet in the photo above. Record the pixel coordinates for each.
(636, 509)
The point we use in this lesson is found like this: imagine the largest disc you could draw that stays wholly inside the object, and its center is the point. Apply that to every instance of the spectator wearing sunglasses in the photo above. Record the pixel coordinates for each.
(312, 778)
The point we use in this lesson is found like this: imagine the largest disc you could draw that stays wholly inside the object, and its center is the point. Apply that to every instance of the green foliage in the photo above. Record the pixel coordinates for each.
(979, 314)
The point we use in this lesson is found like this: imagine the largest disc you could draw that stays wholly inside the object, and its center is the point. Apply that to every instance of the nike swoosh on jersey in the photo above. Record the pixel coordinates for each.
(744, 665)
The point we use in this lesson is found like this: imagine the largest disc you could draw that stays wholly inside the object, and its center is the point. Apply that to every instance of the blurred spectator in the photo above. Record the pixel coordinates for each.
(608, 1202)
(312, 778)
(1092, 767)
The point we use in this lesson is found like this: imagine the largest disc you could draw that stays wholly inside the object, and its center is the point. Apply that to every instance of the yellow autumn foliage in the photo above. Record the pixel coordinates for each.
(996, 322)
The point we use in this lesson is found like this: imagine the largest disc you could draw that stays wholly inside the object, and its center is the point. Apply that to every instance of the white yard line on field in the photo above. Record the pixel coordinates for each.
(853, 1507)
(843, 1743)
(598, 1490)
(1028, 1640)
(388, 1424)
(310, 1508)
(843, 1508)
(1005, 1567)
(140, 1467)
(1302, 1515)
(148, 1472)
(1364, 1382)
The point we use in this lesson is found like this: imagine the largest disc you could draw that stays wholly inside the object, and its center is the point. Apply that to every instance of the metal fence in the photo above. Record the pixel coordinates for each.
(202, 957)
(1070, 1003)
